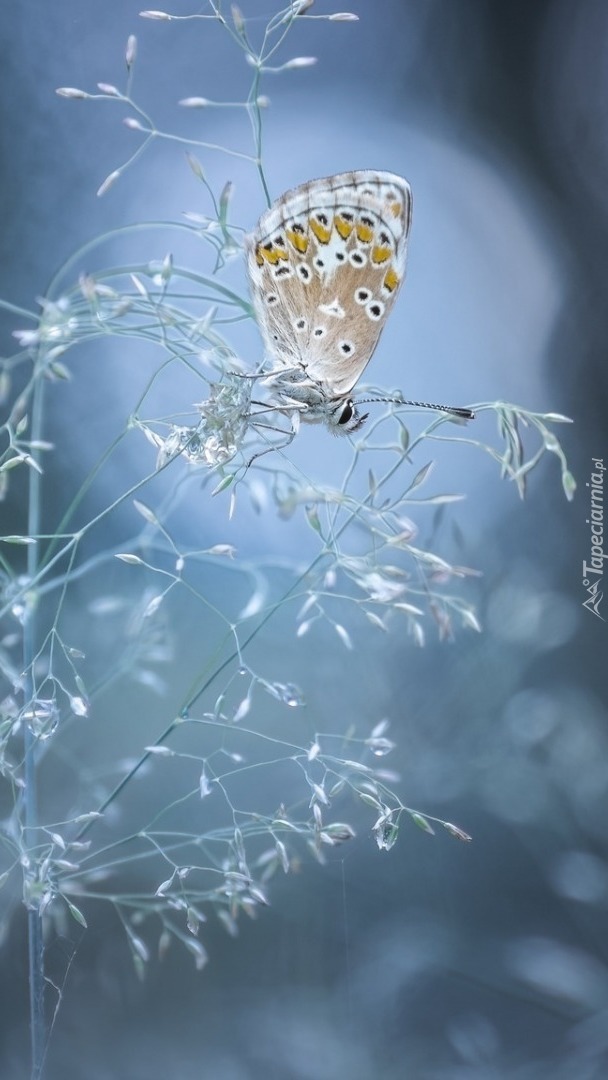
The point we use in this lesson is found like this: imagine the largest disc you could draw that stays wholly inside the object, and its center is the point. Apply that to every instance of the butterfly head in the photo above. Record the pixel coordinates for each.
(344, 417)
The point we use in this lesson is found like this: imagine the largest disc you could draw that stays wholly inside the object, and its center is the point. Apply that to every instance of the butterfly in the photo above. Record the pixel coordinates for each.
(325, 264)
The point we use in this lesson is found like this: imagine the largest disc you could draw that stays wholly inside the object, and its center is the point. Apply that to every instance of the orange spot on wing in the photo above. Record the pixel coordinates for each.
(322, 232)
(273, 255)
(365, 233)
(391, 280)
(299, 241)
(380, 253)
(343, 227)
(396, 209)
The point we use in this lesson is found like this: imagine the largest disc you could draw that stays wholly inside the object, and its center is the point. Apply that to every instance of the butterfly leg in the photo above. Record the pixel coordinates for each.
(289, 437)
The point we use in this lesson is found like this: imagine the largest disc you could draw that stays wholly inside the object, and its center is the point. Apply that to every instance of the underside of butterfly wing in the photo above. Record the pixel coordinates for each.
(325, 264)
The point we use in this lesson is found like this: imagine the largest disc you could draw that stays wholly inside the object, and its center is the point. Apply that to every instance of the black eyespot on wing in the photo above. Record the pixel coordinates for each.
(374, 310)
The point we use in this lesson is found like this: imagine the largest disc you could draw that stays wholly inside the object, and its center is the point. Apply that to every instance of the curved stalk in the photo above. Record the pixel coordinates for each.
(30, 793)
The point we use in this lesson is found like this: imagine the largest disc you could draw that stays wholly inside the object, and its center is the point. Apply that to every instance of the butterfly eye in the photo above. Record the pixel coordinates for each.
(346, 418)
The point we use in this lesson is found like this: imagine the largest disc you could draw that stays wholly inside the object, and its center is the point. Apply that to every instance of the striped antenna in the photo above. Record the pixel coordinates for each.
(454, 410)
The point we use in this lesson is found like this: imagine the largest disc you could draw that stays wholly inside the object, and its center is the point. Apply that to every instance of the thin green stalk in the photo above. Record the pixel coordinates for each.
(30, 795)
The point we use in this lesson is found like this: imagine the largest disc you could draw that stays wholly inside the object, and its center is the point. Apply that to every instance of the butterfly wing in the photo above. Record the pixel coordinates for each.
(325, 264)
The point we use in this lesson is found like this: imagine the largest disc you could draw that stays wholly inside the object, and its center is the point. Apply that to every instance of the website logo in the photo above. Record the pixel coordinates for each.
(593, 571)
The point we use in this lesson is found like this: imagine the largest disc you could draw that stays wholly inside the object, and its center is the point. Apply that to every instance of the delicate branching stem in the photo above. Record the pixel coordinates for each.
(30, 798)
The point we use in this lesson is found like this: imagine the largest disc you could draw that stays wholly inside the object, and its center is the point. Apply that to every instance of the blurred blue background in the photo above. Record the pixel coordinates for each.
(438, 959)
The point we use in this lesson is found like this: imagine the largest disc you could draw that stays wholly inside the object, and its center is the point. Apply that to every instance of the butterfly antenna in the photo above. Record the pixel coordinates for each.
(454, 410)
